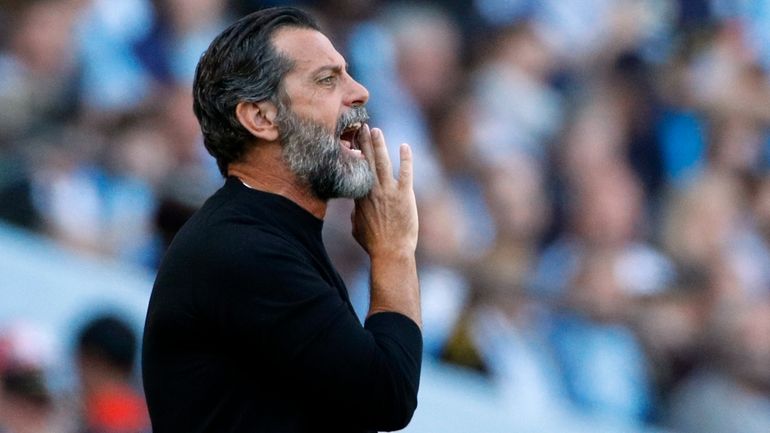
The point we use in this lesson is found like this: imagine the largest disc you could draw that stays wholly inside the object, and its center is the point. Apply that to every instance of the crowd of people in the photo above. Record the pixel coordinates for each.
(592, 177)
(106, 397)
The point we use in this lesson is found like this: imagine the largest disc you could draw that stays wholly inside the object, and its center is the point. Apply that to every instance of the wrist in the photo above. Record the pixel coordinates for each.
(395, 286)
(396, 254)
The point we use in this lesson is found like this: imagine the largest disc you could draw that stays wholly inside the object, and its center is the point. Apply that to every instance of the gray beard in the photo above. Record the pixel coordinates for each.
(315, 156)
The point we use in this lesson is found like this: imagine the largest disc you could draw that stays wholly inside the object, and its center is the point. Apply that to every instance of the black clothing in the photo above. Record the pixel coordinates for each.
(250, 329)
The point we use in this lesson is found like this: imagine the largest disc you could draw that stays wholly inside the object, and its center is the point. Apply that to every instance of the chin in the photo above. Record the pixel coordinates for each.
(355, 183)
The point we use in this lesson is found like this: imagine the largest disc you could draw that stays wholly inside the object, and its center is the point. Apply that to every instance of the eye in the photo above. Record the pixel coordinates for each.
(327, 80)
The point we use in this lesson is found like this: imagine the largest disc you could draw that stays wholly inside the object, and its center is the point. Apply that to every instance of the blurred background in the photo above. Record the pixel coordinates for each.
(593, 181)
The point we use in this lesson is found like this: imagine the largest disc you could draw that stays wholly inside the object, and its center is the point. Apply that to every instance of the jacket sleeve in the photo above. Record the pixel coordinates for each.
(296, 324)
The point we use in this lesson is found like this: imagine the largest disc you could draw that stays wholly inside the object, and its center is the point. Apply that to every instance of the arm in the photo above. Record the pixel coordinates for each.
(385, 224)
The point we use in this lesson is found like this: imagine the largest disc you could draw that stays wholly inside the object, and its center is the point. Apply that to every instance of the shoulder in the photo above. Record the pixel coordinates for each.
(219, 243)
(229, 224)
(234, 245)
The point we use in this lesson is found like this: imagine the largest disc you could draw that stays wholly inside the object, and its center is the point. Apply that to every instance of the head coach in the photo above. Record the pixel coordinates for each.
(249, 326)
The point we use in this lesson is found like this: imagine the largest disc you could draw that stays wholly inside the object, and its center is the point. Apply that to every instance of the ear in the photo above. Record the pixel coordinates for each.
(258, 118)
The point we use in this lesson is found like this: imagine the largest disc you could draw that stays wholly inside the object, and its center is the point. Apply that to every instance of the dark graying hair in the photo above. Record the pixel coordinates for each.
(241, 64)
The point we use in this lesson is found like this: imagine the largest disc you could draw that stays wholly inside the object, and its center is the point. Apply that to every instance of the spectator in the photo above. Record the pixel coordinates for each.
(518, 110)
(113, 77)
(39, 68)
(671, 326)
(730, 394)
(707, 225)
(605, 213)
(180, 32)
(106, 356)
(27, 404)
(601, 359)
(464, 169)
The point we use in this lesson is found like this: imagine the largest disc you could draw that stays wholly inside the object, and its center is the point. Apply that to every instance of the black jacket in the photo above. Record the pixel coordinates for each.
(250, 329)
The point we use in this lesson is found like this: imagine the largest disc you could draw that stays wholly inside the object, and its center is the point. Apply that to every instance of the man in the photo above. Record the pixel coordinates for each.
(249, 327)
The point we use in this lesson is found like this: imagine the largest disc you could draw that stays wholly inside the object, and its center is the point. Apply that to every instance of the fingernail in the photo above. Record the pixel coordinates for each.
(375, 133)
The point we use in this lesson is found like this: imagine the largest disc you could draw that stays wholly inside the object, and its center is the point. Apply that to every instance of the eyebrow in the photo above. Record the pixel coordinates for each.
(334, 68)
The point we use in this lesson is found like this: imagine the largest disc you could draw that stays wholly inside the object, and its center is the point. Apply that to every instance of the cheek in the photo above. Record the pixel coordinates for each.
(319, 110)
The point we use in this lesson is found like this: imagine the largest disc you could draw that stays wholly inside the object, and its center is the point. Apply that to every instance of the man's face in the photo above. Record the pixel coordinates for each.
(318, 129)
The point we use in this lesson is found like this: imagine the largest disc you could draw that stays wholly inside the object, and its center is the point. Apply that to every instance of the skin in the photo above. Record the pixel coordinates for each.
(385, 222)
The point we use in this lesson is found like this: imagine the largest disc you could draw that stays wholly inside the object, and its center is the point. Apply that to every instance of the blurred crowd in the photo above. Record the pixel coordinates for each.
(593, 182)
(106, 397)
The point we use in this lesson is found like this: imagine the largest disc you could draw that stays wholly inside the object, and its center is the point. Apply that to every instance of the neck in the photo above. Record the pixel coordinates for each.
(264, 169)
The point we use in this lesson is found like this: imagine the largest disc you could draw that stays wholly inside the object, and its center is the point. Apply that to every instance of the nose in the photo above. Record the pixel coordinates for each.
(358, 94)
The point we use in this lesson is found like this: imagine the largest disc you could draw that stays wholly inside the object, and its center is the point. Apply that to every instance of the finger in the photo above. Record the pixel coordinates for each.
(365, 143)
(405, 177)
(381, 158)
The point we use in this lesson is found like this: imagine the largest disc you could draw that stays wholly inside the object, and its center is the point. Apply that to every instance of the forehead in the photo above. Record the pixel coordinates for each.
(308, 48)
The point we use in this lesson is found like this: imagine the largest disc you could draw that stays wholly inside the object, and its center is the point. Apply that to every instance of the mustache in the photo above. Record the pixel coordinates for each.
(349, 118)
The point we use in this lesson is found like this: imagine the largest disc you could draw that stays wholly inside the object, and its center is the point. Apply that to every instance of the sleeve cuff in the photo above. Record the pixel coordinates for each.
(396, 325)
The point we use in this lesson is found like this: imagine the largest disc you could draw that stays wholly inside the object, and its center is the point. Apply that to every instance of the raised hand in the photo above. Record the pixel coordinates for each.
(385, 221)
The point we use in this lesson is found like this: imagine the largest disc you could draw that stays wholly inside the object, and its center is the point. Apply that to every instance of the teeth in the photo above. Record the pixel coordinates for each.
(353, 127)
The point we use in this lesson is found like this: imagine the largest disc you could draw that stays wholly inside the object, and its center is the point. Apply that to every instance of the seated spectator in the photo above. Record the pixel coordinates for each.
(106, 355)
(707, 225)
(113, 78)
(27, 404)
(463, 168)
(38, 66)
(732, 392)
(517, 108)
(605, 211)
(671, 326)
(601, 360)
(181, 31)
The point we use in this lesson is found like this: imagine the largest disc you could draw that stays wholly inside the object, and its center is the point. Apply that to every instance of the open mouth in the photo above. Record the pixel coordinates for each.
(349, 140)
